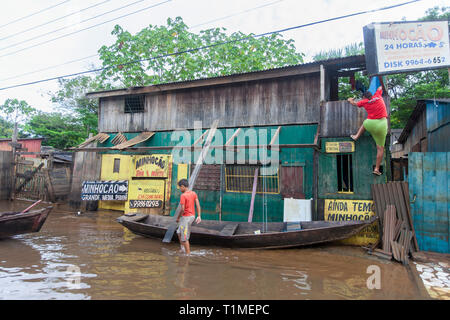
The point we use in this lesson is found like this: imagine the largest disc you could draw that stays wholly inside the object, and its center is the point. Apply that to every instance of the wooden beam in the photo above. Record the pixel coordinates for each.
(192, 179)
(142, 149)
(322, 83)
(275, 136)
(252, 203)
(232, 137)
(200, 139)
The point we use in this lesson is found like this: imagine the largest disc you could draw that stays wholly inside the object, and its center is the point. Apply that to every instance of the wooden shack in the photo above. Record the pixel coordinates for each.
(292, 111)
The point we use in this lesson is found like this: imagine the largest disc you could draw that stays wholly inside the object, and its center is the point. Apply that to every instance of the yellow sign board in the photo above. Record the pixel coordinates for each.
(151, 166)
(146, 193)
(338, 147)
(353, 210)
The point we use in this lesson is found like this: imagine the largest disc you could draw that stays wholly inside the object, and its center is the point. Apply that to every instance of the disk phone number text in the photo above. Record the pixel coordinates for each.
(145, 203)
(414, 62)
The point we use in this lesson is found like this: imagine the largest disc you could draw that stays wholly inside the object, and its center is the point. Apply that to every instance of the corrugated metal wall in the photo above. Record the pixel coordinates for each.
(429, 192)
(438, 126)
(31, 145)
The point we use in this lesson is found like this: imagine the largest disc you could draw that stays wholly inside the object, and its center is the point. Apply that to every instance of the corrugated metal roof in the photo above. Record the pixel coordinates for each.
(420, 107)
(346, 62)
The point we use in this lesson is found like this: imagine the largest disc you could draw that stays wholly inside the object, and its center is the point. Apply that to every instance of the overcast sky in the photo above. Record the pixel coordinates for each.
(249, 16)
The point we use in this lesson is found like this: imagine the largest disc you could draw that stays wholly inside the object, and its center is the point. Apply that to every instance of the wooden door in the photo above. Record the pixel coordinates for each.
(292, 182)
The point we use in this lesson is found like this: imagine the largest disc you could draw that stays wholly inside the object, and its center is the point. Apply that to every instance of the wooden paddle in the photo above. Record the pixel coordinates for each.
(34, 204)
(172, 227)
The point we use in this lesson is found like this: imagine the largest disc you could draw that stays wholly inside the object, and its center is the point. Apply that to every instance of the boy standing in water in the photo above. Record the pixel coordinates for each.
(186, 217)
(376, 122)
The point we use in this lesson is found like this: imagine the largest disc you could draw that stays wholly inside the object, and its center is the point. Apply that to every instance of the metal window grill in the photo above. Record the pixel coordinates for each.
(134, 104)
(239, 178)
(345, 172)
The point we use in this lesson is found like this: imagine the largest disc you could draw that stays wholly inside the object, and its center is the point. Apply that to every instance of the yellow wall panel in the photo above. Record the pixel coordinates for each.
(123, 164)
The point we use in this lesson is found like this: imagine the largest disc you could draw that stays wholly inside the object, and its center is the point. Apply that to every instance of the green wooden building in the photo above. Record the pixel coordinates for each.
(287, 123)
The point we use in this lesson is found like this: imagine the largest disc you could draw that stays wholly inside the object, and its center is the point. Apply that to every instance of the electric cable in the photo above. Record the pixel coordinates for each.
(95, 55)
(69, 26)
(54, 20)
(33, 14)
(207, 46)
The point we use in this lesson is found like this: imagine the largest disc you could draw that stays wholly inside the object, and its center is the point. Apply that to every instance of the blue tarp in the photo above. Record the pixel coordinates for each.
(374, 84)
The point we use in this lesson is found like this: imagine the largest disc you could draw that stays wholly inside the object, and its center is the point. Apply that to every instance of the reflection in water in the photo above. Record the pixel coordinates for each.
(116, 264)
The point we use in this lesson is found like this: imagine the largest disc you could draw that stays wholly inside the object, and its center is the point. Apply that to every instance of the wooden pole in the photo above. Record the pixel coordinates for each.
(198, 165)
(252, 203)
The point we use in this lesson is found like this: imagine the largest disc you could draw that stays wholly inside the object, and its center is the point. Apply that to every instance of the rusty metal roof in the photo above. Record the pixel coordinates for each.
(352, 62)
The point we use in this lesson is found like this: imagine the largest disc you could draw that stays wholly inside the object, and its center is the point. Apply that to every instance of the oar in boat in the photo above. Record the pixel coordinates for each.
(172, 227)
(34, 204)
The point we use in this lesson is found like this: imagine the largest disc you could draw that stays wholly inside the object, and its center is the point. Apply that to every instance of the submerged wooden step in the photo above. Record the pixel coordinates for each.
(229, 229)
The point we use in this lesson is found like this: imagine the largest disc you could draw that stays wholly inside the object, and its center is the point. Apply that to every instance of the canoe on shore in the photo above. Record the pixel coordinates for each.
(14, 223)
(247, 235)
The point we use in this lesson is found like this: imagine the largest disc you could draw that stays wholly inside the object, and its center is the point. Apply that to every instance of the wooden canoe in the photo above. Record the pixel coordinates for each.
(246, 234)
(14, 223)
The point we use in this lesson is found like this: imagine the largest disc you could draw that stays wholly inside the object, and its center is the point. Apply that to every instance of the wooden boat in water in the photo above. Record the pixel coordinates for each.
(14, 223)
(247, 235)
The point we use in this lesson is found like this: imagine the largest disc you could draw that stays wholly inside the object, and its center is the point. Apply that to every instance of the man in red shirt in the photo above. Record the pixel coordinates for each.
(188, 201)
(376, 122)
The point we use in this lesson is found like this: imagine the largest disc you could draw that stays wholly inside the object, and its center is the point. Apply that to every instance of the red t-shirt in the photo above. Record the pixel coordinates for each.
(188, 199)
(375, 107)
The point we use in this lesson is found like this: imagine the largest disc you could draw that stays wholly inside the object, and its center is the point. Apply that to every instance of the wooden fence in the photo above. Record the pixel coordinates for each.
(6, 161)
(42, 180)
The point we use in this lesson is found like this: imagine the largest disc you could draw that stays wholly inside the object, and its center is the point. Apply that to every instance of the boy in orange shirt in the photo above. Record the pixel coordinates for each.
(186, 217)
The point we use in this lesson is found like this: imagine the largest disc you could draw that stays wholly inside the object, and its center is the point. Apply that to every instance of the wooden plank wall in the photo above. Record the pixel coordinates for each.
(86, 167)
(341, 119)
(5, 174)
(275, 101)
(429, 192)
(60, 178)
(415, 140)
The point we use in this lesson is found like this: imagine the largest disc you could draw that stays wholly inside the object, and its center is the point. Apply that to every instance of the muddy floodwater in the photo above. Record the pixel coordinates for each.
(91, 256)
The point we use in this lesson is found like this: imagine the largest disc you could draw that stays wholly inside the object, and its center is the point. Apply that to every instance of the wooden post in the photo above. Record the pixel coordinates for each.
(198, 165)
(322, 83)
(252, 203)
(49, 186)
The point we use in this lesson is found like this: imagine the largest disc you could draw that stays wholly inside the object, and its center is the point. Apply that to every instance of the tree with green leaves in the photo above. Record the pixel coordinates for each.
(16, 112)
(6, 128)
(404, 88)
(60, 131)
(150, 56)
(70, 100)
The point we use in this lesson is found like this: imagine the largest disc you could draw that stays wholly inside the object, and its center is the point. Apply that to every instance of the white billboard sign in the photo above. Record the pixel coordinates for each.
(406, 46)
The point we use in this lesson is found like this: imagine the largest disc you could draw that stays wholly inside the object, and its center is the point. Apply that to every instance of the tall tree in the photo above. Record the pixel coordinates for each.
(70, 100)
(60, 131)
(16, 112)
(149, 57)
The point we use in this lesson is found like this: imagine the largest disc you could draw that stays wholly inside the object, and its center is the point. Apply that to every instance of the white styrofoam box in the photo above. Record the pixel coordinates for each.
(297, 210)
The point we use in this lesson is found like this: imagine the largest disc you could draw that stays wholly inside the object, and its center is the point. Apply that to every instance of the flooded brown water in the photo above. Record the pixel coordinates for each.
(116, 264)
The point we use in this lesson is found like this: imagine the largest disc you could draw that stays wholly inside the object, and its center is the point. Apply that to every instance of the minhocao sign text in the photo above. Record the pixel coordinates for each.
(105, 190)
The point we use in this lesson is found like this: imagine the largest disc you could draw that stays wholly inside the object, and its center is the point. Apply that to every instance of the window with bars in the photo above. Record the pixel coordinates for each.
(239, 178)
(344, 172)
(134, 104)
